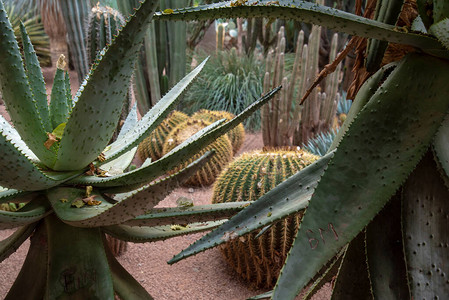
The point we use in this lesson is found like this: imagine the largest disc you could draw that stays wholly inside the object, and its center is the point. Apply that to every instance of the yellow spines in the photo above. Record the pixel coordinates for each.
(152, 145)
(247, 178)
(236, 135)
(223, 152)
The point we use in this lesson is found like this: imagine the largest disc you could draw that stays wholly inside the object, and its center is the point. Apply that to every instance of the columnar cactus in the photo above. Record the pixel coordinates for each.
(76, 187)
(222, 145)
(151, 147)
(284, 121)
(236, 135)
(258, 257)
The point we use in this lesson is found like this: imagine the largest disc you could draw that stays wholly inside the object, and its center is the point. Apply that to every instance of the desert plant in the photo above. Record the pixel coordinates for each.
(151, 146)
(236, 135)
(208, 173)
(320, 144)
(284, 121)
(57, 160)
(227, 83)
(382, 153)
(258, 257)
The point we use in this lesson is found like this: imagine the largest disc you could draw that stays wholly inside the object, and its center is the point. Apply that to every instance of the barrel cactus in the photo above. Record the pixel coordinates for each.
(56, 159)
(151, 147)
(236, 135)
(222, 145)
(259, 259)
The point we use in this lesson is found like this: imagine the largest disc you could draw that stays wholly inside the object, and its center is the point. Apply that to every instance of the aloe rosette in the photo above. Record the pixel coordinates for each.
(376, 204)
(56, 159)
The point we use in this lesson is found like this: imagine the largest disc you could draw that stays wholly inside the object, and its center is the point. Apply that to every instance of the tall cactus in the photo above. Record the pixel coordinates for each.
(282, 127)
(258, 259)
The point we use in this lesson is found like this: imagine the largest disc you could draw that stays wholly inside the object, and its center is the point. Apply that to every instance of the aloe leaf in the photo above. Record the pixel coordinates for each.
(120, 164)
(125, 285)
(128, 205)
(94, 118)
(425, 227)
(440, 10)
(30, 283)
(441, 144)
(30, 213)
(9, 245)
(130, 122)
(153, 117)
(143, 234)
(366, 91)
(59, 107)
(440, 31)
(179, 154)
(385, 255)
(18, 171)
(380, 149)
(352, 279)
(15, 139)
(184, 215)
(35, 78)
(287, 198)
(68, 91)
(77, 263)
(307, 12)
(266, 295)
(15, 196)
(17, 94)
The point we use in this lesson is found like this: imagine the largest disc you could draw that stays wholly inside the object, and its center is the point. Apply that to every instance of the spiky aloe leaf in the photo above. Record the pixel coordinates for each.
(130, 121)
(30, 213)
(68, 91)
(185, 215)
(383, 144)
(9, 245)
(425, 227)
(440, 31)
(152, 118)
(285, 199)
(35, 78)
(59, 106)
(79, 270)
(441, 144)
(143, 234)
(179, 154)
(33, 275)
(307, 12)
(17, 94)
(127, 206)
(266, 295)
(15, 196)
(100, 102)
(385, 255)
(352, 280)
(125, 285)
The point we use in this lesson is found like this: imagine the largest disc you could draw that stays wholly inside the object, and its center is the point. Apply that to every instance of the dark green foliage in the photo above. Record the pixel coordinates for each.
(258, 260)
(228, 82)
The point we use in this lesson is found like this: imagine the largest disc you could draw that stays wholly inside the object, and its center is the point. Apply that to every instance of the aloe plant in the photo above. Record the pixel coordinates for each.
(391, 149)
(56, 159)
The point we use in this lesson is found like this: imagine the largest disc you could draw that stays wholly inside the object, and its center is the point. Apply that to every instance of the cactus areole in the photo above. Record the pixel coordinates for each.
(56, 159)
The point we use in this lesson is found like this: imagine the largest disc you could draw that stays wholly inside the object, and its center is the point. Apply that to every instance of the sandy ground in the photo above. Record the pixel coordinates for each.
(204, 276)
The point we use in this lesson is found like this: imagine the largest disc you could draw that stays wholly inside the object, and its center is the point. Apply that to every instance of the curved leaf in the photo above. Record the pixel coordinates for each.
(307, 12)
(380, 149)
(30, 213)
(9, 245)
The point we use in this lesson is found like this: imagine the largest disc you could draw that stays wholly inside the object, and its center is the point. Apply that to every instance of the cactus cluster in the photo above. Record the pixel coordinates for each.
(236, 135)
(209, 172)
(284, 121)
(151, 147)
(258, 257)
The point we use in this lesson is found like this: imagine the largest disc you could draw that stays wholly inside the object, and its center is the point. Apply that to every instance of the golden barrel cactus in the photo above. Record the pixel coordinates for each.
(209, 172)
(152, 145)
(236, 135)
(259, 260)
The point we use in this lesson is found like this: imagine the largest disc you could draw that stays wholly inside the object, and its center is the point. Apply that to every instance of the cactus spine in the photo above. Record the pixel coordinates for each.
(207, 174)
(280, 126)
(236, 135)
(151, 147)
(248, 177)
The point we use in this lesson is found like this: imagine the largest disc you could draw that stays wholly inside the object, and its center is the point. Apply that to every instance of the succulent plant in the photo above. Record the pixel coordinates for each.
(258, 257)
(320, 144)
(236, 135)
(151, 146)
(57, 160)
(208, 173)
(392, 147)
